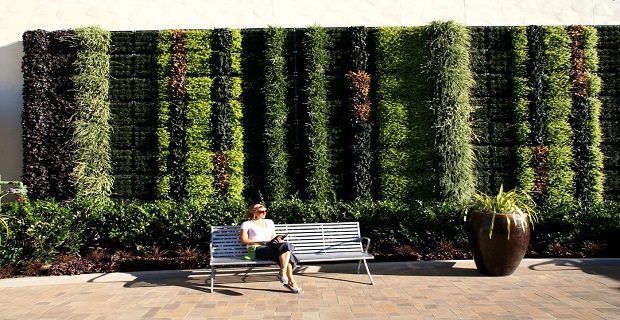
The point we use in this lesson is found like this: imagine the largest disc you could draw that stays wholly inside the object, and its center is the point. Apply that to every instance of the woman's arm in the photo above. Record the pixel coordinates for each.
(246, 240)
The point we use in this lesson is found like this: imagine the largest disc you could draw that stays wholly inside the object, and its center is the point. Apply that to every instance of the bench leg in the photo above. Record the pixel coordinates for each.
(367, 270)
(212, 278)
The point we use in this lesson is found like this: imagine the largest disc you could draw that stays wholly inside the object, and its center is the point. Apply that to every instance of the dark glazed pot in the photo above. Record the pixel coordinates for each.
(498, 256)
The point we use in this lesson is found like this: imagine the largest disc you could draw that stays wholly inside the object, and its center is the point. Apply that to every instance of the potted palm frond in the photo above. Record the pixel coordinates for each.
(499, 229)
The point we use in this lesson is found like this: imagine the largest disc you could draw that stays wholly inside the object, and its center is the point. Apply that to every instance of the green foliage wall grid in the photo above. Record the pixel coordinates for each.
(609, 71)
(133, 97)
(404, 115)
(494, 115)
(133, 113)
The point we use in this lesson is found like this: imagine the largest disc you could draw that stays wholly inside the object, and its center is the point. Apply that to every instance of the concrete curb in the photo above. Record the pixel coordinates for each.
(302, 269)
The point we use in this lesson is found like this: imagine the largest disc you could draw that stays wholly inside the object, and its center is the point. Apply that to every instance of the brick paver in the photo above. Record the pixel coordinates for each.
(539, 289)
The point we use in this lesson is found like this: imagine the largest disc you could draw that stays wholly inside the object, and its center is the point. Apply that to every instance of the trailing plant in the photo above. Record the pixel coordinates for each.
(360, 114)
(405, 145)
(48, 94)
(515, 203)
(320, 184)
(276, 84)
(588, 158)
(449, 70)
(92, 174)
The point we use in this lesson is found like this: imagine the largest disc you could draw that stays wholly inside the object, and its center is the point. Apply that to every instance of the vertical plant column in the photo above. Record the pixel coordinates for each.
(549, 111)
(172, 64)
(92, 174)
(405, 147)
(48, 154)
(276, 84)
(609, 71)
(557, 127)
(320, 184)
(452, 78)
(133, 113)
(227, 113)
(198, 135)
(521, 91)
(586, 85)
(360, 114)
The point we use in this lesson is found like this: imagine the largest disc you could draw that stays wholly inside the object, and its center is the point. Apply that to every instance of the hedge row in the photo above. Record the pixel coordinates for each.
(40, 230)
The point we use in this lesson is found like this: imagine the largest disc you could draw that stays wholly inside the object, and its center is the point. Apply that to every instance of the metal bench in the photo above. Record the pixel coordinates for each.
(314, 242)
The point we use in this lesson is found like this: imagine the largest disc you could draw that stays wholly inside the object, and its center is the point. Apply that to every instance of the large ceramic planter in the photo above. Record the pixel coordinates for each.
(498, 256)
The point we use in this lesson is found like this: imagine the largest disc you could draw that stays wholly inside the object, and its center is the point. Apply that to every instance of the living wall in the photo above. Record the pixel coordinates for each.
(333, 113)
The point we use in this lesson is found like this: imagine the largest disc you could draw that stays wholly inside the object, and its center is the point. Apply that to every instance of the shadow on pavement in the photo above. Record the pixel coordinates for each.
(609, 268)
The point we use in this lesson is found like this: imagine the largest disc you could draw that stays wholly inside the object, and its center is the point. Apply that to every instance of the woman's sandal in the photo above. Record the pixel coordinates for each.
(282, 278)
(294, 290)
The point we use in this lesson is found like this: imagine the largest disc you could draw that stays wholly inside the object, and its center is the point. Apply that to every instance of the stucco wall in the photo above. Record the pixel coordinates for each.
(19, 16)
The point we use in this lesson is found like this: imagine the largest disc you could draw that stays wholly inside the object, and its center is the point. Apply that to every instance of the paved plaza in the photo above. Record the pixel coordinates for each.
(539, 289)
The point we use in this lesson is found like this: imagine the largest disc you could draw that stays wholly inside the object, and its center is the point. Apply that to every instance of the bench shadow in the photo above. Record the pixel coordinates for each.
(227, 283)
(414, 268)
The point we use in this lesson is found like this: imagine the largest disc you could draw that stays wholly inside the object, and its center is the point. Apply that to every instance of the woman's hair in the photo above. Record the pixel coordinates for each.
(249, 215)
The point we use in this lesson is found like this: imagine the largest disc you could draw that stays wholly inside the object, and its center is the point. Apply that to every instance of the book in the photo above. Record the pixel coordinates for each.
(278, 237)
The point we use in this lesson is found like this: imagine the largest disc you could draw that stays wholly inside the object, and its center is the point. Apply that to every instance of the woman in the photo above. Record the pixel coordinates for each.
(257, 232)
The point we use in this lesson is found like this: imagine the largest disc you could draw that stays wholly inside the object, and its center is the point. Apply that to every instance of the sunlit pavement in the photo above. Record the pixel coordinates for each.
(539, 289)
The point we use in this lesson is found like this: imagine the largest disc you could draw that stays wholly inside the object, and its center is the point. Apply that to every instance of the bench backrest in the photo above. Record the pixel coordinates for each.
(326, 237)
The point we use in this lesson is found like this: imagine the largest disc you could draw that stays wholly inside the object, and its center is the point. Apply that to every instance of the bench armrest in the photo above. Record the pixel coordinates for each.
(365, 247)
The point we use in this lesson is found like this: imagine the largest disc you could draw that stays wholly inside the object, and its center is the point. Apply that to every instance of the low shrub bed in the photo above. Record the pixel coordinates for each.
(57, 238)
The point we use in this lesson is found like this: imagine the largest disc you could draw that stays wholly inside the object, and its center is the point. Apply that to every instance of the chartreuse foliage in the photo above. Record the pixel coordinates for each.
(92, 176)
(557, 128)
(404, 116)
(586, 86)
(521, 91)
(320, 184)
(276, 83)
(452, 78)
(198, 135)
(164, 64)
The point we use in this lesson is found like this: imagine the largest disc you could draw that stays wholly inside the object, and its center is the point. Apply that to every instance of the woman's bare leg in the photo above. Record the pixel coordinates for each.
(284, 262)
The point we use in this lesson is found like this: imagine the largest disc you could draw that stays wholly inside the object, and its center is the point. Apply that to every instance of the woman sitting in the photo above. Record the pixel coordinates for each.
(257, 233)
